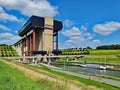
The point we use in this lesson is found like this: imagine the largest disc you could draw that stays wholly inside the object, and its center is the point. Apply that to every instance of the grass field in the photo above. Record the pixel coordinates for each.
(91, 85)
(88, 83)
(112, 56)
(12, 79)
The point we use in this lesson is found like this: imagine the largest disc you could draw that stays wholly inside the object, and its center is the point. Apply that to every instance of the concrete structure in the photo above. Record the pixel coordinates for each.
(17, 46)
(38, 36)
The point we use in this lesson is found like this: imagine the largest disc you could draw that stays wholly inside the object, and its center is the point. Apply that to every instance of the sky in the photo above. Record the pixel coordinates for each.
(85, 22)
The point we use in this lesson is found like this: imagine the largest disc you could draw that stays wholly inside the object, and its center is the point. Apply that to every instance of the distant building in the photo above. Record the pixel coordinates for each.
(39, 36)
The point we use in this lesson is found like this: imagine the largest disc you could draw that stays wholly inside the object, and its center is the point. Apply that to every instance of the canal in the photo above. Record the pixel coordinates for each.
(92, 70)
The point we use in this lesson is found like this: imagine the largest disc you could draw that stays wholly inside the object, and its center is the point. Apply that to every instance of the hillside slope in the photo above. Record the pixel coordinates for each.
(7, 51)
(102, 55)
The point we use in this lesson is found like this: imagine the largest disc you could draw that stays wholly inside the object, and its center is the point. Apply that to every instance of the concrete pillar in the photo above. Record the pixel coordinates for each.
(49, 61)
(56, 40)
(33, 60)
(34, 40)
(26, 54)
(47, 38)
(45, 59)
(30, 45)
(23, 47)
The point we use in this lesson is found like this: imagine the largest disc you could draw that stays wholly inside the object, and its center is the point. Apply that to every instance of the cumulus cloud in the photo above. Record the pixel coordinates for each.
(7, 17)
(8, 38)
(2, 27)
(74, 31)
(78, 37)
(31, 7)
(107, 28)
(83, 28)
(96, 41)
(68, 23)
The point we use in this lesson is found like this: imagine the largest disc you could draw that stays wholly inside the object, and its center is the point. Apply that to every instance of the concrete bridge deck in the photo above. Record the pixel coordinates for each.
(59, 56)
(45, 57)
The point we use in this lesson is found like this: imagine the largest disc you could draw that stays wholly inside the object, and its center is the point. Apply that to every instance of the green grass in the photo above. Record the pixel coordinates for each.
(74, 78)
(112, 56)
(12, 79)
(104, 52)
(85, 81)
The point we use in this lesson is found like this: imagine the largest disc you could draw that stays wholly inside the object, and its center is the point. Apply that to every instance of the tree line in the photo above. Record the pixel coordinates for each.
(3, 45)
(109, 47)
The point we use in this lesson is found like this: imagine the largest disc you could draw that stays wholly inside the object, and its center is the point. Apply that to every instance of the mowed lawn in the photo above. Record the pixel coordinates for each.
(12, 79)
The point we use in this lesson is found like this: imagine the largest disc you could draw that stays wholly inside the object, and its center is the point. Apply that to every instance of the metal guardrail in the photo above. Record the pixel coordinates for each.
(45, 56)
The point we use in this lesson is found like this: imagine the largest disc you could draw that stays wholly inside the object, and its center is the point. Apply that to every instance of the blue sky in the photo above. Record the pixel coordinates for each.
(86, 22)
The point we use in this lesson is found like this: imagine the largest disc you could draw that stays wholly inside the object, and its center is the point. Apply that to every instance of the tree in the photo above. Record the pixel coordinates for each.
(89, 47)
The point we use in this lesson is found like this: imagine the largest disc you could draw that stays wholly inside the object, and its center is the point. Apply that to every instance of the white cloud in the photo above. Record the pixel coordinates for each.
(4, 28)
(31, 7)
(8, 38)
(83, 28)
(67, 23)
(96, 41)
(74, 31)
(78, 37)
(107, 28)
(7, 17)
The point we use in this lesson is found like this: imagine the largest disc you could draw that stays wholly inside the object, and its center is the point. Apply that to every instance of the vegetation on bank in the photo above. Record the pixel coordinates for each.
(74, 51)
(111, 56)
(110, 53)
(12, 79)
(98, 56)
(109, 47)
(84, 82)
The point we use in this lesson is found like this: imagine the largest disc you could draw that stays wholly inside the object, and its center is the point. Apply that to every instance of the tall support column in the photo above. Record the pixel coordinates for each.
(56, 40)
(26, 46)
(23, 45)
(34, 40)
(47, 37)
(22, 48)
(31, 45)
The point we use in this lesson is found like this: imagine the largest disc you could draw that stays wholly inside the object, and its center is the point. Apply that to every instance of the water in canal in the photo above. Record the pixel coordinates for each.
(93, 71)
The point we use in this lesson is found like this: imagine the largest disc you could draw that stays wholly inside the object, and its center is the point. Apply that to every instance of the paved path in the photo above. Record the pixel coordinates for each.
(95, 78)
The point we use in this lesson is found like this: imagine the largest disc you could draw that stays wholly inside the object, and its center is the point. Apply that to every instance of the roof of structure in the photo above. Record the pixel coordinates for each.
(36, 21)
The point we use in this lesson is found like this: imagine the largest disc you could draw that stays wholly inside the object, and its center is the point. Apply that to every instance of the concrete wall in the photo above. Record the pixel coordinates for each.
(42, 40)
(39, 39)
(18, 47)
(47, 36)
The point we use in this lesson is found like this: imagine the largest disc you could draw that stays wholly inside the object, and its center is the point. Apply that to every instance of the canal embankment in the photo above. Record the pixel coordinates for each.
(38, 74)
(110, 66)
(81, 83)
(109, 81)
